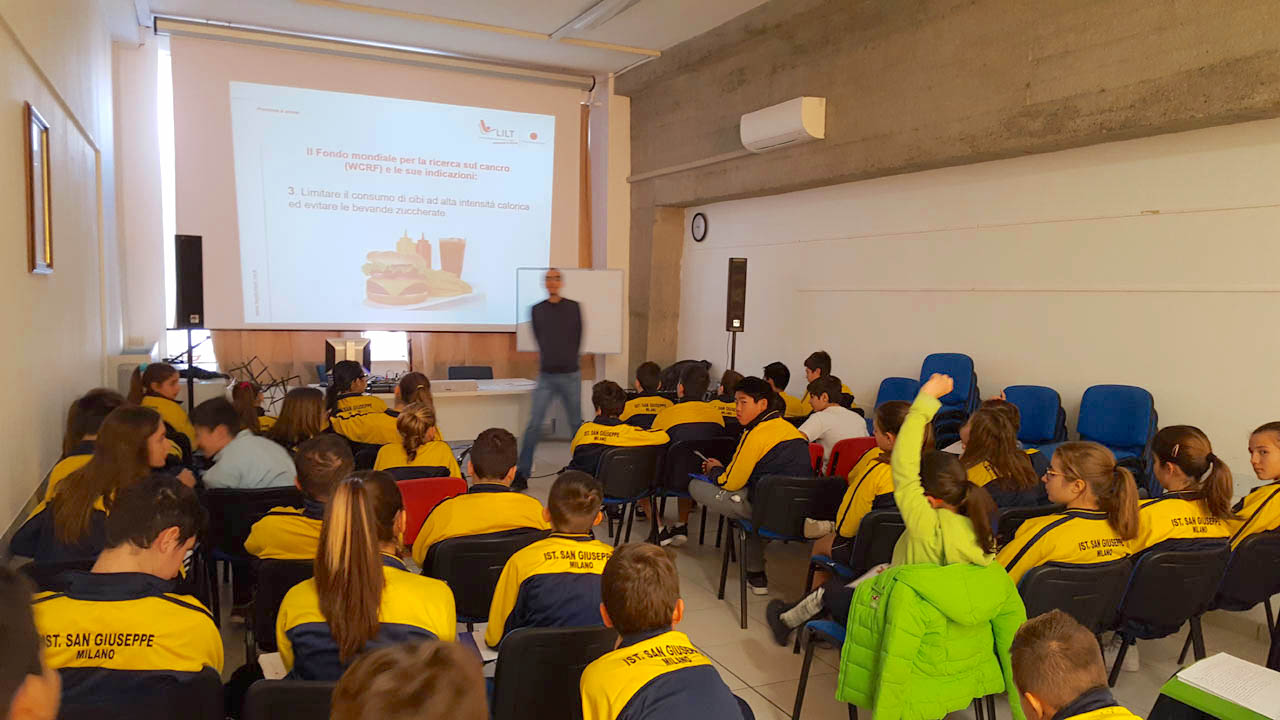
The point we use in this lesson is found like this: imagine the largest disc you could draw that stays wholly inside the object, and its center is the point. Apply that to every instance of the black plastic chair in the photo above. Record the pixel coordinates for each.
(470, 372)
(779, 505)
(275, 579)
(159, 697)
(471, 567)
(288, 700)
(1168, 588)
(1252, 577)
(410, 472)
(1089, 593)
(628, 474)
(681, 461)
(232, 514)
(1008, 520)
(539, 670)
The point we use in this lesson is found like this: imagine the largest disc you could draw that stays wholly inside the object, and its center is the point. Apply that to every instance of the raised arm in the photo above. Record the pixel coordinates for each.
(917, 514)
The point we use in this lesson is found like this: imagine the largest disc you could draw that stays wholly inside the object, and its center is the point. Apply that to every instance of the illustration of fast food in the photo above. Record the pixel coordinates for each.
(404, 276)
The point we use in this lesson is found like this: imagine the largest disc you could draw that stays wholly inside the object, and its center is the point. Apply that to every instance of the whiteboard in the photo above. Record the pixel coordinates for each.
(597, 292)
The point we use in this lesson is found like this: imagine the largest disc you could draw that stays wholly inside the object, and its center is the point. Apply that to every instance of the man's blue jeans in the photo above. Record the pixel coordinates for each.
(565, 386)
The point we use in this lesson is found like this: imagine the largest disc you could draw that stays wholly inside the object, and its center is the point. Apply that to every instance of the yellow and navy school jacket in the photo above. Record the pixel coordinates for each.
(594, 437)
(727, 406)
(265, 421)
(769, 446)
(485, 508)
(413, 608)
(1075, 537)
(287, 533)
(1096, 704)
(1177, 521)
(808, 406)
(112, 634)
(870, 488)
(173, 415)
(641, 410)
(690, 420)
(984, 473)
(554, 582)
(364, 419)
(1259, 511)
(794, 407)
(435, 453)
(79, 456)
(38, 540)
(657, 675)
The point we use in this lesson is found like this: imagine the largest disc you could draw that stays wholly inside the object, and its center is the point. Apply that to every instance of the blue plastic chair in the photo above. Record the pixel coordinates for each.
(960, 367)
(893, 389)
(1124, 419)
(815, 630)
(1043, 419)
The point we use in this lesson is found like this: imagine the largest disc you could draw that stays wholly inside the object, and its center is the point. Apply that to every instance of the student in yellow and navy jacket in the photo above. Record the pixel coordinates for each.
(1259, 511)
(361, 597)
(1059, 672)
(420, 445)
(156, 385)
(84, 420)
(640, 410)
(1100, 519)
(723, 401)
(490, 506)
(993, 460)
(689, 419)
(1195, 510)
(120, 629)
(360, 418)
(778, 376)
(607, 430)
(656, 673)
(555, 582)
(769, 446)
(817, 365)
(290, 533)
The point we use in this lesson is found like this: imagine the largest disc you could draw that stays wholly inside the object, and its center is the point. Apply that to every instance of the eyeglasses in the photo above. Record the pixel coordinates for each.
(1051, 472)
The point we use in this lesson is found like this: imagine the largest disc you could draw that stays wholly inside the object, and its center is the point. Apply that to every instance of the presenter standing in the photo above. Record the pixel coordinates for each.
(557, 325)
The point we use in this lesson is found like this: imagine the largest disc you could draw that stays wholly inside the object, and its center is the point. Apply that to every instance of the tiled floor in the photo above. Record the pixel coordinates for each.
(766, 676)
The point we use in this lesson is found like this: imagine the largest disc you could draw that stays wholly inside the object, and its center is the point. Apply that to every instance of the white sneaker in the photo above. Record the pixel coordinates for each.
(814, 529)
(1112, 650)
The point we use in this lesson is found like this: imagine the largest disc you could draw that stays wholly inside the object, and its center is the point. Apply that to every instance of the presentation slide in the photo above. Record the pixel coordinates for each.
(355, 209)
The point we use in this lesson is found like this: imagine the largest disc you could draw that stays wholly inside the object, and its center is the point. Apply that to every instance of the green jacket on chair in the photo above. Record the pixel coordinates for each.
(924, 640)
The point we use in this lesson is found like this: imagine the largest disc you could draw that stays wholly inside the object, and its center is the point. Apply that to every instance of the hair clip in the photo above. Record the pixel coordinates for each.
(142, 367)
(1175, 449)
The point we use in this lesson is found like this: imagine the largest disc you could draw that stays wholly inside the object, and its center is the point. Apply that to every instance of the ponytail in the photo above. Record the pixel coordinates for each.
(1112, 486)
(244, 398)
(1218, 488)
(348, 569)
(415, 388)
(943, 477)
(1120, 504)
(1187, 448)
(146, 375)
(978, 506)
(994, 440)
(415, 424)
(344, 374)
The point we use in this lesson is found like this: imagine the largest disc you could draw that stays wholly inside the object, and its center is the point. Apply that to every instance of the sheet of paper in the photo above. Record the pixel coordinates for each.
(486, 655)
(1248, 685)
(272, 666)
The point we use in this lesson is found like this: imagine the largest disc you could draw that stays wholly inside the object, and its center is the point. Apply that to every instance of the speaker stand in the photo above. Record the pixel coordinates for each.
(733, 350)
(191, 378)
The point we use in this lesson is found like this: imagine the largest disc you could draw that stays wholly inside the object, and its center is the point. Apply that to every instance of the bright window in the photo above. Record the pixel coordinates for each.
(388, 345)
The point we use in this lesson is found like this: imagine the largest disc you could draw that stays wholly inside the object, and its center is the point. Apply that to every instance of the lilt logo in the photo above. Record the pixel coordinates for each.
(507, 136)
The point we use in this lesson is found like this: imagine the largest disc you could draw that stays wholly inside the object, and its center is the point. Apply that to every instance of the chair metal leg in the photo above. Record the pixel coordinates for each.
(991, 707)
(808, 583)
(853, 712)
(631, 517)
(1115, 669)
(1271, 617)
(742, 574)
(1197, 638)
(719, 530)
(724, 569)
(977, 709)
(1182, 656)
(804, 671)
(702, 527)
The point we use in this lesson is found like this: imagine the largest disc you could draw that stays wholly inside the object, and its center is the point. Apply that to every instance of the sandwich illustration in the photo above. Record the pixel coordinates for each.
(404, 276)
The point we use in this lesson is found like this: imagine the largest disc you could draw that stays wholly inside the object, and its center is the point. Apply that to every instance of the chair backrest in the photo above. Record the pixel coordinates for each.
(960, 367)
(275, 579)
(681, 459)
(846, 453)
(629, 472)
(815, 457)
(470, 372)
(421, 495)
(1251, 575)
(288, 700)
(156, 697)
(1042, 418)
(877, 534)
(471, 566)
(781, 503)
(1088, 593)
(232, 513)
(1118, 416)
(1009, 519)
(539, 670)
(897, 388)
(1169, 586)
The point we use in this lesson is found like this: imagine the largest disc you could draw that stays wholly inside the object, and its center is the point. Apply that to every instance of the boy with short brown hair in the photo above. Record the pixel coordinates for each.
(432, 680)
(1058, 668)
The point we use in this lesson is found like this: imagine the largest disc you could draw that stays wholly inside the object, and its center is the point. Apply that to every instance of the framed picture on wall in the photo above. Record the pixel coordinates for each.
(39, 211)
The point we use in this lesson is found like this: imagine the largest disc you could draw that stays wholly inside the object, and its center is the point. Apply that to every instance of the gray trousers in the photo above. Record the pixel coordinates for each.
(735, 505)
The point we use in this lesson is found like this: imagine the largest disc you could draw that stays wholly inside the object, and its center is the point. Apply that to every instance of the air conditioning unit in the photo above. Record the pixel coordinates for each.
(789, 123)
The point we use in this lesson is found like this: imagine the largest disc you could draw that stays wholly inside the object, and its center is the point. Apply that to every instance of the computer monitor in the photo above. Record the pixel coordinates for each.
(339, 349)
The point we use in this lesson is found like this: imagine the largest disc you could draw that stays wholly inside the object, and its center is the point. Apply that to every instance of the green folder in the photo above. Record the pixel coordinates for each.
(1207, 702)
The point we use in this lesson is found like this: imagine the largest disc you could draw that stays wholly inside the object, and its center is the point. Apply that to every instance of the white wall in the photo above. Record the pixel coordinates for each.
(58, 328)
(1150, 262)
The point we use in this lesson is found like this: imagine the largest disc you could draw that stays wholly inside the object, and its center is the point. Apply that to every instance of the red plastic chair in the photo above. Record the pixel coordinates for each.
(815, 457)
(423, 494)
(847, 453)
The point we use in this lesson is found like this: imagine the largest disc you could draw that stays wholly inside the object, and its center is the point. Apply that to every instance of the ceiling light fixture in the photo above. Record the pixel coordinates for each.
(594, 16)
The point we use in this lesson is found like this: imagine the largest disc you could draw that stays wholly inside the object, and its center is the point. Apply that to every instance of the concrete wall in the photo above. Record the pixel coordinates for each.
(920, 84)
(1144, 262)
(58, 328)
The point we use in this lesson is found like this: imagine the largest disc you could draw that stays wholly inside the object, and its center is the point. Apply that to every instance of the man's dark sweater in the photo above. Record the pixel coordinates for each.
(558, 327)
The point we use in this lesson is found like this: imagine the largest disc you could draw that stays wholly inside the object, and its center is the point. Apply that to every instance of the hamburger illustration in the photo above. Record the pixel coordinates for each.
(404, 276)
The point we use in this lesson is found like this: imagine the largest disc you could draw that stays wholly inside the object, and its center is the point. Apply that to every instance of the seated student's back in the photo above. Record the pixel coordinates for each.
(606, 430)
(641, 410)
(1195, 510)
(871, 479)
(302, 417)
(691, 418)
(778, 377)
(358, 417)
(490, 505)
(156, 385)
(420, 445)
(994, 461)
(119, 631)
(1259, 511)
(818, 365)
(361, 597)
(555, 582)
(290, 533)
(1059, 672)
(241, 459)
(830, 422)
(84, 420)
(724, 399)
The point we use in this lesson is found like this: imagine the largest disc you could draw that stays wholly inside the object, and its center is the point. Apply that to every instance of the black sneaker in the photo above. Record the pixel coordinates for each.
(640, 514)
(676, 535)
(758, 582)
(520, 482)
(773, 614)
